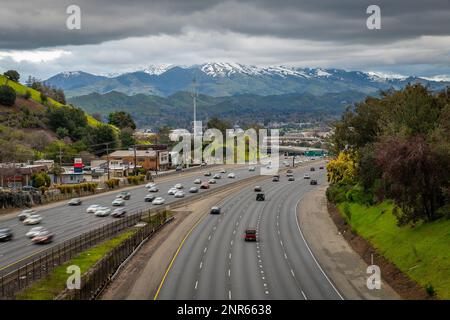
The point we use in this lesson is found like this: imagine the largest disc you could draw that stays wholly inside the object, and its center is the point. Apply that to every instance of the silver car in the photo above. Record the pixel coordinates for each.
(34, 232)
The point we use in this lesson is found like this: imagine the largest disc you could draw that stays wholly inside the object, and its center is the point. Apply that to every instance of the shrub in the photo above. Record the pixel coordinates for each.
(430, 290)
(77, 188)
(112, 183)
(7, 96)
(27, 95)
(337, 194)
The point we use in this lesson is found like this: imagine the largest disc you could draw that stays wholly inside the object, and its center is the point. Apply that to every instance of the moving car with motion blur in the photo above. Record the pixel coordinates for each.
(231, 175)
(150, 197)
(153, 189)
(103, 212)
(32, 219)
(35, 232)
(257, 188)
(291, 179)
(215, 210)
(25, 214)
(223, 170)
(6, 234)
(150, 185)
(207, 174)
(212, 181)
(92, 208)
(179, 194)
(193, 190)
(197, 181)
(250, 234)
(178, 186)
(251, 169)
(43, 238)
(204, 185)
(125, 195)
(172, 191)
(158, 201)
(118, 202)
(217, 176)
(74, 202)
(118, 213)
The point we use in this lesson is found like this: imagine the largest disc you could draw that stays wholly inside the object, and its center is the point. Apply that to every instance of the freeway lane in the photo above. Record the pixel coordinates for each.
(216, 263)
(66, 222)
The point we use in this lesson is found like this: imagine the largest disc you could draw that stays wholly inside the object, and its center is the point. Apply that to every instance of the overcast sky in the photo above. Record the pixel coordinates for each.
(118, 36)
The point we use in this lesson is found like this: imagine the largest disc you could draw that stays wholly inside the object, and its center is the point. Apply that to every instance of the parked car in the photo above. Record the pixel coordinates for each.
(257, 188)
(118, 213)
(204, 185)
(149, 198)
(75, 202)
(35, 232)
(179, 194)
(92, 208)
(207, 174)
(197, 181)
(231, 175)
(103, 212)
(250, 234)
(153, 189)
(193, 190)
(26, 213)
(313, 182)
(215, 210)
(118, 202)
(291, 179)
(179, 186)
(125, 195)
(212, 181)
(158, 201)
(6, 234)
(43, 238)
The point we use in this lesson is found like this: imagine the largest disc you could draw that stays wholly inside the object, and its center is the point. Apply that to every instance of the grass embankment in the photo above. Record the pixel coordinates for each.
(49, 287)
(422, 252)
(36, 96)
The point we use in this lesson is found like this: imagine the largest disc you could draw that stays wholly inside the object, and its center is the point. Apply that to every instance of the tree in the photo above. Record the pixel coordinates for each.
(7, 96)
(97, 137)
(121, 120)
(62, 132)
(43, 98)
(126, 138)
(342, 170)
(41, 179)
(12, 75)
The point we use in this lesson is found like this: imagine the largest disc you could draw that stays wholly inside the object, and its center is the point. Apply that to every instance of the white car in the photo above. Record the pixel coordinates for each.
(32, 219)
(193, 190)
(251, 169)
(35, 232)
(179, 194)
(212, 181)
(158, 201)
(179, 186)
(153, 189)
(231, 175)
(26, 213)
(150, 185)
(216, 176)
(103, 212)
(118, 202)
(92, 208)
(223, 170)
(197, 181)
(172, 191)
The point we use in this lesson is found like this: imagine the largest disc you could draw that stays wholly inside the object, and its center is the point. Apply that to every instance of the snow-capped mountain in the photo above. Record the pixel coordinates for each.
(227, 79)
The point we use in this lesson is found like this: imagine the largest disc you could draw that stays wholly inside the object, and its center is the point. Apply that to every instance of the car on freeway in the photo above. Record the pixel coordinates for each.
(74, 202)
(257, 188)
(118, 213)
(118, 202)
(275, 179)
(251, 169)
(6, 234)
(231, 175)
(158, 201)
(178, 186)
(172, 191)
(179, 194)
(92, 208)
(149, 198)
(250, 234)
(215, 210)
(125, 195)
(260, 197)
(43, 238)
(32, 219)
(204, 185)
(193, 190)
(312, 169)
(306, 176)
(103, 212)
(289, 171)
(217, 176)
(291, 178)
(35, 232)
(321, 167)
(289, 174)
(179, 168)
(150, 185)
(207, 174)
(26, 213)
(153, 189)
(313, 182)
(223, 170)
(197, 181)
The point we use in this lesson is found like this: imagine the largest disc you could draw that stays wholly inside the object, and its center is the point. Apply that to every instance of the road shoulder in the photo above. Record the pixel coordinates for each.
(340, 262)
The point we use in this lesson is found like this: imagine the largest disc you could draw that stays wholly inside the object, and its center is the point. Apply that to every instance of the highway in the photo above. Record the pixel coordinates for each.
(69, 221)
(216, 263)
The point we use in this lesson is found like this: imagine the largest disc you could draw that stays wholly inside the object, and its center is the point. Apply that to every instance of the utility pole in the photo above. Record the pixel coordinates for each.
(60, 163)
(107, 158)
(134, 148)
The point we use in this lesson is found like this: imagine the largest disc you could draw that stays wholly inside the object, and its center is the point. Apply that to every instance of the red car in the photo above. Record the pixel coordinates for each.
(43, 238)
(250, 234)
(204, 185)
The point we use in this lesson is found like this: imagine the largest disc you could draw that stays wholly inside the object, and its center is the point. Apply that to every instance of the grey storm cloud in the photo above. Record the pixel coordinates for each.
(35, 24)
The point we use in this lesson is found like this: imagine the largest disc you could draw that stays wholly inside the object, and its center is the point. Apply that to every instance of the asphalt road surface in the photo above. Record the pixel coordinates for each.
(216, 263)
(69, 221)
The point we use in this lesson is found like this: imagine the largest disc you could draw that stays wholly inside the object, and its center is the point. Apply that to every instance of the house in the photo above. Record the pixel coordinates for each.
(17, 175)
(69, 176)
(149, 159)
